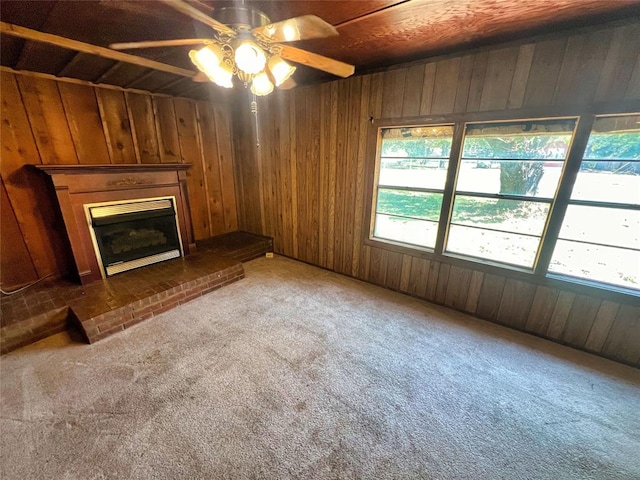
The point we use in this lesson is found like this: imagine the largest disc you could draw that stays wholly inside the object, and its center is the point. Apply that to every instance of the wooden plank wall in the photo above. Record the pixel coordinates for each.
(54, 122)
(306, 185)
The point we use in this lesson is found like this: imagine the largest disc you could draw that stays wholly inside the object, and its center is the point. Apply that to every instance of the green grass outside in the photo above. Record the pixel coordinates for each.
(428, 205)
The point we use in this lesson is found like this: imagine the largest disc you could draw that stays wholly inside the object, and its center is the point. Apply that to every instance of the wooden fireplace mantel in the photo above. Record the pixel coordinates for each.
(78, 185)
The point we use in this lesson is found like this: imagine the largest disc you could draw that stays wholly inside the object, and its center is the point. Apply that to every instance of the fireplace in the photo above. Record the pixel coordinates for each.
(133, 234)
(120, 217)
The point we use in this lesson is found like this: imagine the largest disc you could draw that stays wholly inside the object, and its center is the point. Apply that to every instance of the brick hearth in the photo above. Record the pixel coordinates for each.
(106, 307)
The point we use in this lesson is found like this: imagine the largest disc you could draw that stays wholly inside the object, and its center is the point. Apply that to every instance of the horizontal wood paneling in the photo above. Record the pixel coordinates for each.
(49, 122)
(306, 185)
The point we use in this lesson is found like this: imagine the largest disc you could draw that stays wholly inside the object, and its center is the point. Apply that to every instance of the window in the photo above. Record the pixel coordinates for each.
(507, 180)
(600, 235)
(412, 172)
(554, 197)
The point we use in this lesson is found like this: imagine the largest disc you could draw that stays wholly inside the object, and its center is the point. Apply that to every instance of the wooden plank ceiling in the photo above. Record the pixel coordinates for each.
(373, 33)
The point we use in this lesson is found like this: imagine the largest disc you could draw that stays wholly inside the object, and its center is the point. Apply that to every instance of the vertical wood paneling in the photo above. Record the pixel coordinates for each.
(351, 161)
(29, 196)
(443, 283)
(413, 91)
(501, 66)
(292, 149)
(622, 57)
(116, 125)
(282, 113)
(541, 310)
(581, 67)
(427, 88)
(475, 286)
(633, 90)
(560, 314)
(477, 81)
(143, 127)
(490, 296)
(520, 75)
(446, 83)
(394, 270)
(393, 92)
(333, 152)
(17, 267)
(47, 119)
(341, 175)
(83, 117)
(378, 266)
(515, 304)
(418, 276)
(334, 158)
(432, 280)
(580, 320)
(211, 167)
(169, 145)
(405, 274)
(601, 325)
(190, 148)
(624, 335)
(458, 287)
(543, 75)
(464, 83)
(365, 114)
(325, 138)
(224, 147)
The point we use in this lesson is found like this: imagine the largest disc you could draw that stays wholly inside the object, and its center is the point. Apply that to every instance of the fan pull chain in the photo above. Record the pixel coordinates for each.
(254, 110)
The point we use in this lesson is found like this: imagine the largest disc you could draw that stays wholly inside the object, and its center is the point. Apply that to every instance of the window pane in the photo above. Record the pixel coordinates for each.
(593, 262)
(508, 215)
(536, 139)
(501, 247)
(530, 178)
(417, 173)
(409, 204)
(609, 226)
(614, 138)
(416, 232)
(426, 141)
(603, 182)
(416, 156)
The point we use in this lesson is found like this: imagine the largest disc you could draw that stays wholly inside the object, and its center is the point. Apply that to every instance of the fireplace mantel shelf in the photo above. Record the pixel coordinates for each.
(112, 168)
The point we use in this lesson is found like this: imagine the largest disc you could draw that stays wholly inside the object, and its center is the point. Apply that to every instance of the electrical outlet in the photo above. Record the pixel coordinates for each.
(269, 255)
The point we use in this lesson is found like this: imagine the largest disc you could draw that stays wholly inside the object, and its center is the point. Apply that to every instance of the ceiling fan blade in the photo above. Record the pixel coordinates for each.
(159, 43)
(316, 61)
(200, 78)
(196, 14)
(296, 28)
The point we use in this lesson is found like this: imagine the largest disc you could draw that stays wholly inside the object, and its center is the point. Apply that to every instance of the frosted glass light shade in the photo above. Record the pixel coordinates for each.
(261, 85)
(250, 58)
(207, 59)
(280, 69)
(223, 76)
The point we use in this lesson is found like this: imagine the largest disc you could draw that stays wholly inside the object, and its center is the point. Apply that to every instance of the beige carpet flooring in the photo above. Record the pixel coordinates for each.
(296, 372)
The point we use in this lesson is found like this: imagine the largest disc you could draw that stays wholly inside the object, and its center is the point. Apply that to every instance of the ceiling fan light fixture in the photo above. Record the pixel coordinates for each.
(223, 76)
(250, 58)
(261, 85)
(280, 70)
(207, 59)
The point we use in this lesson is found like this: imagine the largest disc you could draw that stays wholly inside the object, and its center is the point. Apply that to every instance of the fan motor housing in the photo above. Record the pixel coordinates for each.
(242, 17)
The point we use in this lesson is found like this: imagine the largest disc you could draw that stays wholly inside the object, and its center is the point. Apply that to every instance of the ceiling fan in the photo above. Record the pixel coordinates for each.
(246, 44)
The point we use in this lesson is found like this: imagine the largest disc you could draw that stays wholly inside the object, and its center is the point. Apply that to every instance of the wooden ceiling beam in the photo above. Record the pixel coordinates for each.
(63, 42)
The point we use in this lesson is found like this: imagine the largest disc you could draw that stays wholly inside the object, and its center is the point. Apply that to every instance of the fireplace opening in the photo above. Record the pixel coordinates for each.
(134, 234)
